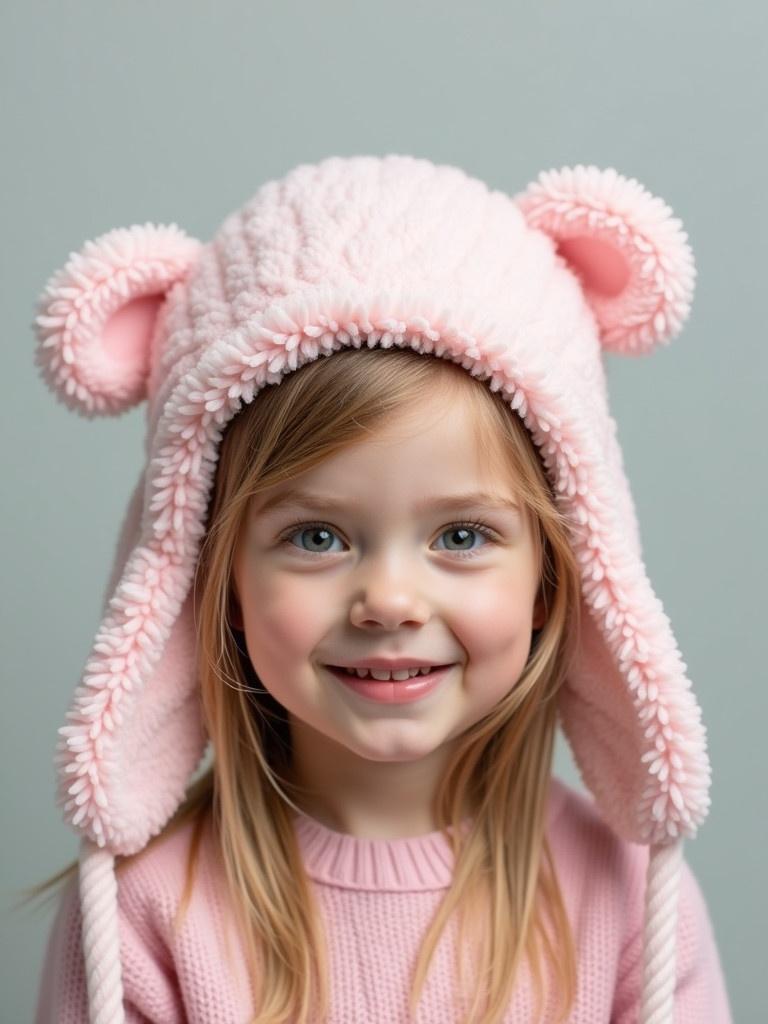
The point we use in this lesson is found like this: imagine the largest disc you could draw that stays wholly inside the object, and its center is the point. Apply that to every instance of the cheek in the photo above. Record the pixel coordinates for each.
(495, 632)
(281, 621)
(495, 620)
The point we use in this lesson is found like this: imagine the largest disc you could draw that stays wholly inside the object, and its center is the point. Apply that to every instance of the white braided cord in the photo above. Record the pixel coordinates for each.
(101, 940)
(660, 936)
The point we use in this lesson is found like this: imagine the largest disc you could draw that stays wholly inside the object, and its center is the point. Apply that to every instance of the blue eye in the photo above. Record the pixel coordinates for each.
(319, 533)
(467, 529)
(314, 530)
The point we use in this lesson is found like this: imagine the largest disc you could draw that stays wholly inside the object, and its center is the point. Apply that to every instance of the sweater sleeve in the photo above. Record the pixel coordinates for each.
(700, 991)
(150, 992)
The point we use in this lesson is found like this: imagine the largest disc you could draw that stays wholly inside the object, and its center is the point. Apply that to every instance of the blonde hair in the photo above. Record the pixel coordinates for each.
(504, 888)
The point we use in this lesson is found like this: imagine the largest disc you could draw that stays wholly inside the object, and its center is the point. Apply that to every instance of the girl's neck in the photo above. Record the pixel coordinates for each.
(364, 798)
(370, 826)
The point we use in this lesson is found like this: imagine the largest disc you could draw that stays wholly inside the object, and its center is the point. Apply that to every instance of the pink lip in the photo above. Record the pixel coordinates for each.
(393, 691)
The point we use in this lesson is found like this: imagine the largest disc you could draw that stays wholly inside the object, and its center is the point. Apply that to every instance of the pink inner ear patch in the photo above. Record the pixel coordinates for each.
(600, 265)
(128, 332)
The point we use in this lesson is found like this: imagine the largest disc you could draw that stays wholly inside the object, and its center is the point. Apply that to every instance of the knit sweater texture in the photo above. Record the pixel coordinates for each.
(377, 898)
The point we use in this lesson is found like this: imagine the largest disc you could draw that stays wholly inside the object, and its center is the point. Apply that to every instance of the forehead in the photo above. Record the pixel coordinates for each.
(436, 454)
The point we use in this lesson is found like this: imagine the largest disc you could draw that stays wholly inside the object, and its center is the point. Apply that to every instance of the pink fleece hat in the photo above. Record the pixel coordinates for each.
(525, 293)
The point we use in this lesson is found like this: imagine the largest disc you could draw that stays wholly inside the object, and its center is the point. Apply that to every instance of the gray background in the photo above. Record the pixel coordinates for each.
(116, 114)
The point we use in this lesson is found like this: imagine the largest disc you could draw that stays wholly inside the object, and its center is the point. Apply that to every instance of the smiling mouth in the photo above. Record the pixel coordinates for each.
(390, 678)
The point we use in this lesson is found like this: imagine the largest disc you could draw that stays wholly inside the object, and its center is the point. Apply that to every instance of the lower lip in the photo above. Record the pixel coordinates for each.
(394, 691)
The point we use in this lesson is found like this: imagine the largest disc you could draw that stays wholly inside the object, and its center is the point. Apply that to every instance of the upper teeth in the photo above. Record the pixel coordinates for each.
(381, 674)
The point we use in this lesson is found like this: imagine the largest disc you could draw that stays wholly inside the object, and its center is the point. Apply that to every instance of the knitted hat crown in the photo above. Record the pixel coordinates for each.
(524, 292)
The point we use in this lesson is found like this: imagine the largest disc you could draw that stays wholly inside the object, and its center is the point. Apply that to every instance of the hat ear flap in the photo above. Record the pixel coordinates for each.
(630, 254)
(97, 315)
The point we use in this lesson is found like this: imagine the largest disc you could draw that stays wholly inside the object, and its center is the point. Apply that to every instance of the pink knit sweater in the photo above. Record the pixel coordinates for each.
(377, 897)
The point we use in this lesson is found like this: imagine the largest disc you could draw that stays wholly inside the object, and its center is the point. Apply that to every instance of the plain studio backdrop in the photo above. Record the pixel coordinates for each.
(116, 114)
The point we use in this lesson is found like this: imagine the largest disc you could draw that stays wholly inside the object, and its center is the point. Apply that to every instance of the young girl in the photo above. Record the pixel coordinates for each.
(371, 592)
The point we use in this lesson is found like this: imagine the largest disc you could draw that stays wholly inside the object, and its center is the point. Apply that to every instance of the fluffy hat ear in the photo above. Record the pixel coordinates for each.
(97, 314)
(623, 243)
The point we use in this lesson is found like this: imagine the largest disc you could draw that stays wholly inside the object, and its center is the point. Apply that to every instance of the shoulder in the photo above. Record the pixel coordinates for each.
(587, 844)
(700, 988)
(149, 888)
(603, 877)
(152, 883)
(576, 817)
(593, 861)
(184, 934)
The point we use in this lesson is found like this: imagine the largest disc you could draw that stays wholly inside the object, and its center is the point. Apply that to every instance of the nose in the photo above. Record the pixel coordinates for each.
(389, 597)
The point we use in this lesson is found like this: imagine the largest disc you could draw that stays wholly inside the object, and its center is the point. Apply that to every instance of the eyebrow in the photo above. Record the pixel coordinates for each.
(307, 499)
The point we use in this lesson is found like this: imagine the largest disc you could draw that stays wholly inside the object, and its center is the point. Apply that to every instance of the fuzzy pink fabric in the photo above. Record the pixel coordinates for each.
(527, 293)
(379, 252)
(377, 897)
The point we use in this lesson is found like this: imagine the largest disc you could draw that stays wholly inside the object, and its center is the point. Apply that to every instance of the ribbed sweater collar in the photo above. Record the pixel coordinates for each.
(409, 864)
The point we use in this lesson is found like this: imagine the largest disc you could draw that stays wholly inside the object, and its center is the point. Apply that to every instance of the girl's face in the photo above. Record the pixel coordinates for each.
(370, 561)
